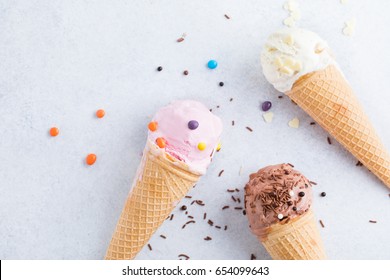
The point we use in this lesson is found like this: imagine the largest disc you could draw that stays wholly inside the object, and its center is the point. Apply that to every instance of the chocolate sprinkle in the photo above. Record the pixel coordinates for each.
(238, 208)
(244, 212)
(210, 222)
(232, 123)
(171, 217)
(234, 199)
(183, 208)
(323, 194)
(225, 228)
(230, 190)
(204, 216)
(185, 72)
(218, 227)
(225, 207)
(199, 202)
(294, 208)
(231, 99)
(207, 238)
(184, 256)
(301, 194)
(329, 141)
(322, 224)
(253, 257)
(190, 217)
(359, 163)
(372, 221)
(312, 123)
(159, 68)
(189, 222)
(313, 183)
(150, 247)
(280, 96)
(226, 16)
(250, 129)
(163, 236)
(220, 172)
(188, 196)
(181, 39)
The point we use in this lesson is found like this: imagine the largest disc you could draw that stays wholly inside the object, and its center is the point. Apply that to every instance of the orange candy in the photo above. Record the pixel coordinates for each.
(91, 158)
(161, 142)
(152, 126)
(54, 131)
(100, 113)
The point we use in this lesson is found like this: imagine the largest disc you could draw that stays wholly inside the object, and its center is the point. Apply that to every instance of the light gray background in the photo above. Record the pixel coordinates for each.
(62, 60)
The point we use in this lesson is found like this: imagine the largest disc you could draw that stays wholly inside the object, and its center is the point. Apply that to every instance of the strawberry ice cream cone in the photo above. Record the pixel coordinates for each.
(182, 140)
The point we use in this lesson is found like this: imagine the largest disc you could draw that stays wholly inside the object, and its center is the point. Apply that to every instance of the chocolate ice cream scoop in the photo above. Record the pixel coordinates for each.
(276, 194)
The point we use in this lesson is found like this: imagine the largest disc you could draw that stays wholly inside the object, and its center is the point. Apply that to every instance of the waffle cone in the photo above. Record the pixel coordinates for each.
(327, 97)
(299, 239)
(160, 184)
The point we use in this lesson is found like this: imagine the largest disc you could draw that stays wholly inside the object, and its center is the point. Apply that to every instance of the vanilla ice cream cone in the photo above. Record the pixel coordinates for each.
(182, 140)
(300, 64)
(327, 97)
(277, 201)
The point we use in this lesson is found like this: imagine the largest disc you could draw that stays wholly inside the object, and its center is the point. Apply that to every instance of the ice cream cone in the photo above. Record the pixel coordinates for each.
(161, 183)
(299, 239)
(327, 97)
(277, 202)
(182, 140)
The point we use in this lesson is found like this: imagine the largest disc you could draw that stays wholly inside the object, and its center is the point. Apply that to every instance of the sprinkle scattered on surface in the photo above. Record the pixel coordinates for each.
(322, 224)
(220, 173)
(54, 131)
(189, 222)
(250, 129)
(185, 72)
(312, 123)
(150, 247)
(294, 123)
(349, 28)
(225, 207)
(159, 68)
(359, 163)
(184, 256)
(207, 238)
(329, 141)
(268, 117)
(91, 159)
(225, 228)
(100, 113)
(226, 16)
(372, 221)
(163, 236)
(253, 257)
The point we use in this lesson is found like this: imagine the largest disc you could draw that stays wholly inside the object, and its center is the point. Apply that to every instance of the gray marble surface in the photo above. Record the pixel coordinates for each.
(62, 60)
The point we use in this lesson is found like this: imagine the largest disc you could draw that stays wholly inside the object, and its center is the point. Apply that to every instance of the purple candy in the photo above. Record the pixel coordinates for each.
(266, 106)
(193, 125)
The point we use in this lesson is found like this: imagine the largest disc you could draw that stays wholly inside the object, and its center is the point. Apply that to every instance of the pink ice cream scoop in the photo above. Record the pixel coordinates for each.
(187, 131)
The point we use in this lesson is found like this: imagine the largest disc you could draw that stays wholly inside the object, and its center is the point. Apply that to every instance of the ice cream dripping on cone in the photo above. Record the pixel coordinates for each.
(300, 64)
(182, 140)
(277, 201)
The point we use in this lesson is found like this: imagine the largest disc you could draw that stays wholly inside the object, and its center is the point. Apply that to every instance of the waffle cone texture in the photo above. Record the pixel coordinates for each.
(159, 185)
(299, 239)
(328, 98)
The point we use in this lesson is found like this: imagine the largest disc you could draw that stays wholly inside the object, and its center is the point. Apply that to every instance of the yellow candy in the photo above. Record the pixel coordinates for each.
(219, 147)
(202, 146)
